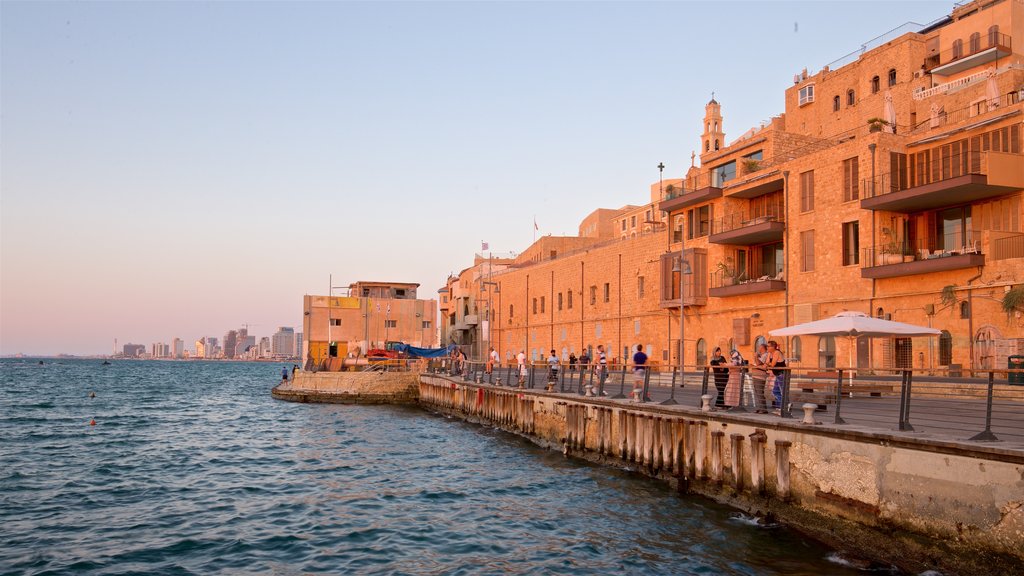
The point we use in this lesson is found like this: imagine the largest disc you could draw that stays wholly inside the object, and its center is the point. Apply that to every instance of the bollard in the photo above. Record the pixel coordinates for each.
(589, 390)
(706, 402)
(809, 409)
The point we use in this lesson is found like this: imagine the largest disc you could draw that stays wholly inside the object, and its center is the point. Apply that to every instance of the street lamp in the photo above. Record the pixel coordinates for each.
(683, 268)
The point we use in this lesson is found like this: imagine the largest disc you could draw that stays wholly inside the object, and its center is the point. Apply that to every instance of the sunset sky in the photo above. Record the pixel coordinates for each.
(178, 169)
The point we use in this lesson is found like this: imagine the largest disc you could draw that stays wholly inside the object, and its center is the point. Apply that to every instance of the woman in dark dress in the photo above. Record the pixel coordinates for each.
(721, 376)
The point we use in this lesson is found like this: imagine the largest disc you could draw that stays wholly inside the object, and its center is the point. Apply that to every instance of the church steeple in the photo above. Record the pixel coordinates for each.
(714, 133)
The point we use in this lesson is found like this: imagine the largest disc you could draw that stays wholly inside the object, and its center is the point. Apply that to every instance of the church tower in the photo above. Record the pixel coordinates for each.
(714, 134)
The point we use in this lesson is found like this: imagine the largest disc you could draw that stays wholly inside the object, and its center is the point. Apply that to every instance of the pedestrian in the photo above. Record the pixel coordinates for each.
(639, 371)
(721, 376)
(552, 370)
(776, 360)
(602, 370)
(492, 357)
(521, 370)
(734, 388)
(584, 360)
(572, 361)
(759, 375)
(295, 368)
(284, 374)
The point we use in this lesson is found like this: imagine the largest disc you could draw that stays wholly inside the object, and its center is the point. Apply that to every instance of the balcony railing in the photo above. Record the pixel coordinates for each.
(691, 191)
(945, 180)
(947, 252)
(774, 212)
(992, 43)
(725, 283)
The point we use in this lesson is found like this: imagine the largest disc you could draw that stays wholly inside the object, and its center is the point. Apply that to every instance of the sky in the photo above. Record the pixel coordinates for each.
(179, 169)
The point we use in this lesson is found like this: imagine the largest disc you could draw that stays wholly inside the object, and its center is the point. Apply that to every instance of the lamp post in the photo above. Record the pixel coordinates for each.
(683, 268)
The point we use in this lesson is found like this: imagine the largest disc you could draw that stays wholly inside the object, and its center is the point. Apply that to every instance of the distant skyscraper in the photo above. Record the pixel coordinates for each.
(230, 341)
(201, 348)
(283, 342)
(178, 348)
(264, 348)
(298, 345)
(134, 350)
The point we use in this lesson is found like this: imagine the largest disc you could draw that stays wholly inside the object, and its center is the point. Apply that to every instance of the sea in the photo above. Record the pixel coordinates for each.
(190, 467)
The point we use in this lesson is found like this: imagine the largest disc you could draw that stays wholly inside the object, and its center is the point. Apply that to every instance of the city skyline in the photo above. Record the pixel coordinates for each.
(471, 122)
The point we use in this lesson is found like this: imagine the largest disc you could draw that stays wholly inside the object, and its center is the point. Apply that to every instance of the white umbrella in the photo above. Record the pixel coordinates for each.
(853, 325)
(992, 89)
(890, 113)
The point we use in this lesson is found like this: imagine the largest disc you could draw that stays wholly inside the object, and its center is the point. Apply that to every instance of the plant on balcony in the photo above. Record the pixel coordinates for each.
(730, 275)
(948, 297)
(1013, 301)
(751, 165)
(876, 124)
(670, 191)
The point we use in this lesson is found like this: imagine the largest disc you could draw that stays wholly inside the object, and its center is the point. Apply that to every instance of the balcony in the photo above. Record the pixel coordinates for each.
(691, 191)
(954, 252)
(971, 54)
(471, 319)
(946, 181)
(759, 185)
(724, 285)
(743, 229)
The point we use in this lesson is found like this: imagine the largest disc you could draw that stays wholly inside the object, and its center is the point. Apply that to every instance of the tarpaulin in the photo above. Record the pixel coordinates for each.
(424, 352)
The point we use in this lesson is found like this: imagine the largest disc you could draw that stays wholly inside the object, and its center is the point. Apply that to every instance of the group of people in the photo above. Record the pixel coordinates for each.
(765, 373)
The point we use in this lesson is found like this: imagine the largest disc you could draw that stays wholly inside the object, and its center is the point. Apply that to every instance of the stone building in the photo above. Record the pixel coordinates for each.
(889, 185)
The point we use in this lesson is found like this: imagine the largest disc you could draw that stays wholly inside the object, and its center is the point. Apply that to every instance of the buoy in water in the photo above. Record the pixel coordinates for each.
(92, 394)
(92, 422)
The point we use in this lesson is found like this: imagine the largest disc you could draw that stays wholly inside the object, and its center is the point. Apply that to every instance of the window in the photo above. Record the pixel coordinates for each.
(993, 35)
(876, 85)
(632, 221)
(965, 310)
(426, 325)
(892, 77)
(724, 173)
(559, 300)
(699, 222)
(796, 349)
(511, 309)
(835, 104)
(851, 97)
(807, 251)
(807, 94)
(945, 348)
(851, 243)
(391, 323)
(553, 254)
(953, 228)
(640, 287)
(568, 304)
(335, 321)
(827, 352)
(851, 178)
(607, 292)
(400, 292)
(593, 295)
(807, 191)
(975, 45)
(647, 216)
(623, 224)
(880, 313)
(541, 304)
(702, 353)
(958, 49)
(534, 305)
(636, 327)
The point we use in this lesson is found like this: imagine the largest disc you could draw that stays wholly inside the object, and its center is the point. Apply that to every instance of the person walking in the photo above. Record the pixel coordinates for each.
(602, 370)
(521, 367)
(734, 387)
(552, 370)
(492, 358)
(776, 360)
(721, 373)
(639, 371)
(758, 375)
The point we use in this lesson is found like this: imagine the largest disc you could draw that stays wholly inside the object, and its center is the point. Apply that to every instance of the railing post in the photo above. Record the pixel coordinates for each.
(672, 395)
(784, 409)
(561, 381)
(644, 397)
(531, 369)
(904, 424)
(986, 435)
(622, 385)
(839, 398)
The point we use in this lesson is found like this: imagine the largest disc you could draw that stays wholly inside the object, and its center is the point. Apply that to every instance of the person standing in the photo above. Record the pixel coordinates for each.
(721, 373)
(284, 374)
(492, 358)
(572, 361)
(521, 367)
(639, 371)
(552, 370)
(775, 361)
(602, 370)
(734, 388)
(759, 375)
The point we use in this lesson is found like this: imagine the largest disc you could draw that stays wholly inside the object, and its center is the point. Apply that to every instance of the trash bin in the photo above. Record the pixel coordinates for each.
(1015, 362)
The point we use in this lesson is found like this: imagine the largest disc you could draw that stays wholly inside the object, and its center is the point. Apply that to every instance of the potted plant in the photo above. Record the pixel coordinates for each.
(751, 165)
(727, 268)
(1013, 301)
(876, 124)
(670, 191)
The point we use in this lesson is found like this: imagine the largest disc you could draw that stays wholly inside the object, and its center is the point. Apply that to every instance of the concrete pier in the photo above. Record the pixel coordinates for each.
(917, 502)
(350, 387)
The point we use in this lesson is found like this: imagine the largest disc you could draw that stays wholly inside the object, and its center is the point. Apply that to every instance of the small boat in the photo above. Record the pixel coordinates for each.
(106, 363)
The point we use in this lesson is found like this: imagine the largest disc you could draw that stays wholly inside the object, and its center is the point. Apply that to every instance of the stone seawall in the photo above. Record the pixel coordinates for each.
(350, 387)
(918, 503)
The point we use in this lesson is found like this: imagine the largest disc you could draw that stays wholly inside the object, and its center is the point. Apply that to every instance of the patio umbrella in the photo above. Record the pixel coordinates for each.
(890, 113)
(992, 89)
(853, 325)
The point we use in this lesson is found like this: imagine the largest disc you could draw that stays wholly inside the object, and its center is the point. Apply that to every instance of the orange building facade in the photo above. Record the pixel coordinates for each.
(891, 185)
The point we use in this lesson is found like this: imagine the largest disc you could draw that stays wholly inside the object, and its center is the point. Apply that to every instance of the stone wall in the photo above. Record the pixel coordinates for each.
(351, 387)
(918, 503)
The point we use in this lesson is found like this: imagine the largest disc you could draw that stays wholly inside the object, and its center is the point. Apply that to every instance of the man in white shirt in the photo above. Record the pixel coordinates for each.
(492, 359)
(602, 369)
(521, 359)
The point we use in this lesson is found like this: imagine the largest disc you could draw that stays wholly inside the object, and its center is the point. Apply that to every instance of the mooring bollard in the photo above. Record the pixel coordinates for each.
(705, 401)
(809, 413)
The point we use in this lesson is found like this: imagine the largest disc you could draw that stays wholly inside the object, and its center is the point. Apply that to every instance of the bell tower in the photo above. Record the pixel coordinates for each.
(714, 133)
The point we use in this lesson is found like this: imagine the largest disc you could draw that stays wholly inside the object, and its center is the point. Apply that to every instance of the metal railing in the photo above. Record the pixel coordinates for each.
(931, 248)
(981, 406)
(938, 168)
(726, 278)
(691, 184)
(774, 212)
(969, 48)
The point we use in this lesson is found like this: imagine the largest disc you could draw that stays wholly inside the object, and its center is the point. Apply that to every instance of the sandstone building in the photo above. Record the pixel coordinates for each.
(890, 185)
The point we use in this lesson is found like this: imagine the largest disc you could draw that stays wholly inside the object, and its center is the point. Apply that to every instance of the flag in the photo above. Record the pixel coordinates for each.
(535, 227)
(484, 246)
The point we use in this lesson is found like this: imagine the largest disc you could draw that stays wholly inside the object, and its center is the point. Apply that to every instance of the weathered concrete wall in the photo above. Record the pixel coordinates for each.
(351, 387)
(919, 503)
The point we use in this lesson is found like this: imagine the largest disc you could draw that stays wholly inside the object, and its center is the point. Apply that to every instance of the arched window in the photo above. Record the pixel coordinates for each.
(851, 98)
(707, 145)
(708, 129)
(716, 126)
(958, 49)
(835, 104)
(716, 143)
(702, 352)
(892, 77)
(880, 313)
(975, 45)
(993, 35)
(827, 352)
(796, 349)
(945, 348)
(965, 309)
(876, 85)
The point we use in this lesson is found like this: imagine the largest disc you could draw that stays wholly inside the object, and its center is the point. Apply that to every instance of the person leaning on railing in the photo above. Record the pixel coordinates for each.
(776, 360)
(758, 375)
